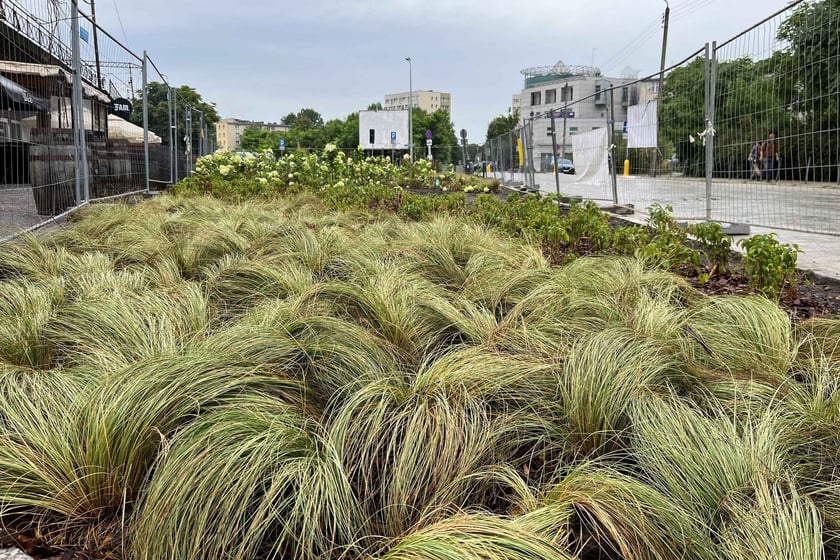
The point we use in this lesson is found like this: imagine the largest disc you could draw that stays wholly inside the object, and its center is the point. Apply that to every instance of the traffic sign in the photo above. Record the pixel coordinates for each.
(393, 137)
(429, 142)
(428, 135)
(464, 133)
(282, 143)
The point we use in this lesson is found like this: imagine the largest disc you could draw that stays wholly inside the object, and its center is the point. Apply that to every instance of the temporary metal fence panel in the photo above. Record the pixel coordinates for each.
(776, 148)
(37, 140)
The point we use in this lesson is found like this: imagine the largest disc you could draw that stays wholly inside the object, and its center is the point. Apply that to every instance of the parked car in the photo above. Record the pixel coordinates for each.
(566, 166)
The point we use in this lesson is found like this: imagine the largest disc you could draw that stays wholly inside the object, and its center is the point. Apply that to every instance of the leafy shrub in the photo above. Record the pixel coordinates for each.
(769, 265)
(667, 248)
(715, 244)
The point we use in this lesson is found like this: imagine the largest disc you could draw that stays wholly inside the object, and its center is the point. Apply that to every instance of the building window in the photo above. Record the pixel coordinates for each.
(654, 88)
(536, 98)
(625, 94)
(567, 93)
(551, 96)
(573, 130)
(597, 92)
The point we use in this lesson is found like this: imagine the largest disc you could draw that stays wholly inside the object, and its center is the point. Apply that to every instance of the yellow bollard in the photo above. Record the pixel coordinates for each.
(626, 167)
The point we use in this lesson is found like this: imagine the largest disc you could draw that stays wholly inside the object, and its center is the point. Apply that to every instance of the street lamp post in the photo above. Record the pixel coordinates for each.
(410, 111)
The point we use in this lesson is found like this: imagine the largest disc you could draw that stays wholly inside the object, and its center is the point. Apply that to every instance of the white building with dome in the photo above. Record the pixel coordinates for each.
(585, 91)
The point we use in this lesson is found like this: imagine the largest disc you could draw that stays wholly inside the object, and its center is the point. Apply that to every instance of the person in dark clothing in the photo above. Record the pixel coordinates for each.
(769, 158)
(754, 159)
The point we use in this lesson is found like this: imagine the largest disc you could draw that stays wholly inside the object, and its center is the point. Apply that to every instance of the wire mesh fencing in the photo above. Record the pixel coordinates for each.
(776, 151)
(84, 118)
(745, 131)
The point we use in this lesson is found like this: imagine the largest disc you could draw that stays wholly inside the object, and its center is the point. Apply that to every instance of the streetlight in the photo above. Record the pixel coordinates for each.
(410, 111)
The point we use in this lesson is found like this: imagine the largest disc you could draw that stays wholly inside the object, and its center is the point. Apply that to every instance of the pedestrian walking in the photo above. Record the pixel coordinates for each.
(769, 157)
(753, 159)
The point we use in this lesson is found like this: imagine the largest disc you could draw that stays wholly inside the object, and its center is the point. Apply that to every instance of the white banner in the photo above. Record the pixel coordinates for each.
(590, 153)
(642, 130)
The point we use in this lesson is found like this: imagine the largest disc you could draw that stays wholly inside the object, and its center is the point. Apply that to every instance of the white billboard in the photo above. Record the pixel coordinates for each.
(383, 130)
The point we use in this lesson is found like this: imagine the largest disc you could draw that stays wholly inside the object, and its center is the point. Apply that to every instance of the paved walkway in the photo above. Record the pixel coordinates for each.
(786, 206)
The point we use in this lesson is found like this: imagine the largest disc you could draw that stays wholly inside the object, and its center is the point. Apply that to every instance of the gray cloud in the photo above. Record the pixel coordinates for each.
(262, 59)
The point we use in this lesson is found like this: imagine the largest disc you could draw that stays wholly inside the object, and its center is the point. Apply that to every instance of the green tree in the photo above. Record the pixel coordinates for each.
(159, 111)
(258, 140)
(751, 99)
(304, 119)
(503, 124)
(812, 33)
(446, 148)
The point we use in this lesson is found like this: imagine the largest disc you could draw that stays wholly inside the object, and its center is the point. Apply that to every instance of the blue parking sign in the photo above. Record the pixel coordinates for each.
(393, 137)
(282, 143)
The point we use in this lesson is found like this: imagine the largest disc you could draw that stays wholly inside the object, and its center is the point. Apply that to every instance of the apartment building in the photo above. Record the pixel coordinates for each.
(229, 131)
(584, 93)
(427, 100)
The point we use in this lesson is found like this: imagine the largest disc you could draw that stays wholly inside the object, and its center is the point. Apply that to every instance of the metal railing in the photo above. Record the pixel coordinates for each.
(82, 117)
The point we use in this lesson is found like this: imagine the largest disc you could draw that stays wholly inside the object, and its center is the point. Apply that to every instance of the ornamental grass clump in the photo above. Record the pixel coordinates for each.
(409, 450)
(189, 378)
(474, 537)
(26, 310)
(593, 508)
(251, 479)
(747, 337)
(72, 469)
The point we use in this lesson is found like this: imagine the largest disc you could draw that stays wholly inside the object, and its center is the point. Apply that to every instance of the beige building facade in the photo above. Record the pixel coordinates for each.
(428, 100)
(229, 131)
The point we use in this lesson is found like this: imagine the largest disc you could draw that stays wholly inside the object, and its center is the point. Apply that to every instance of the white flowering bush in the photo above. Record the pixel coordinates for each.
(236, 176)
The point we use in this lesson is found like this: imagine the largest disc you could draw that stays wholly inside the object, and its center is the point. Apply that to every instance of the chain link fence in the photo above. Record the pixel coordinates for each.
(741, 132)
(75, 108)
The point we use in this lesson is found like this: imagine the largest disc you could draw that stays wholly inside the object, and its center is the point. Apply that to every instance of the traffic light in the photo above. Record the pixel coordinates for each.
(372, 135)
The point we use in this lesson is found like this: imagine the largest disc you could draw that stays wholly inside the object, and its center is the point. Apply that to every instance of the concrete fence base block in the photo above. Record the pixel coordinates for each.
(736, 229)
(625, 210)
(728, 229)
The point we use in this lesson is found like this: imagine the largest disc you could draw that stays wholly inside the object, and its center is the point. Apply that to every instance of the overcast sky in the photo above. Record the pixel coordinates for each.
(261, 59)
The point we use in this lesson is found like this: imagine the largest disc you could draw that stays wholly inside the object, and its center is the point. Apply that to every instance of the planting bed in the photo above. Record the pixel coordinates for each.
(187, 378)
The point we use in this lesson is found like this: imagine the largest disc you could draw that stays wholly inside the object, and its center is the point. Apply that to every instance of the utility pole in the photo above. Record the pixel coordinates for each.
(96, 44)
(665, 21)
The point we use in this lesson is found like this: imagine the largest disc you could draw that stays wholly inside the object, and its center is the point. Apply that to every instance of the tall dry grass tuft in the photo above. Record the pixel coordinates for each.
(409, 451)
(251, 479)
(73, 466)
(474, 537)
(591, 509)
(27, 310)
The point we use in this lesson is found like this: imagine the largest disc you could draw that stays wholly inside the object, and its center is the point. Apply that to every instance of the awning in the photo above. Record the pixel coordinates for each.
(48, 71)
(16, 97)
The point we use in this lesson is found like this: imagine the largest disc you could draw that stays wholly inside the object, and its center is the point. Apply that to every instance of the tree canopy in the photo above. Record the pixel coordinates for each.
(159, 111)
(503, 124)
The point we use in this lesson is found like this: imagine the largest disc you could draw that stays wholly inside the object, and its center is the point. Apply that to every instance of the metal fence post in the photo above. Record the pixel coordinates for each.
(708, 136)
(171, 152)
(81, 164)
(146, 115)
(556, 156)
(611, 147)
(189, 140)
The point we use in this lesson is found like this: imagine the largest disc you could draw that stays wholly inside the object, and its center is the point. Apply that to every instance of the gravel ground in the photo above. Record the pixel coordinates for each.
(17, 212)
(13, 554)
